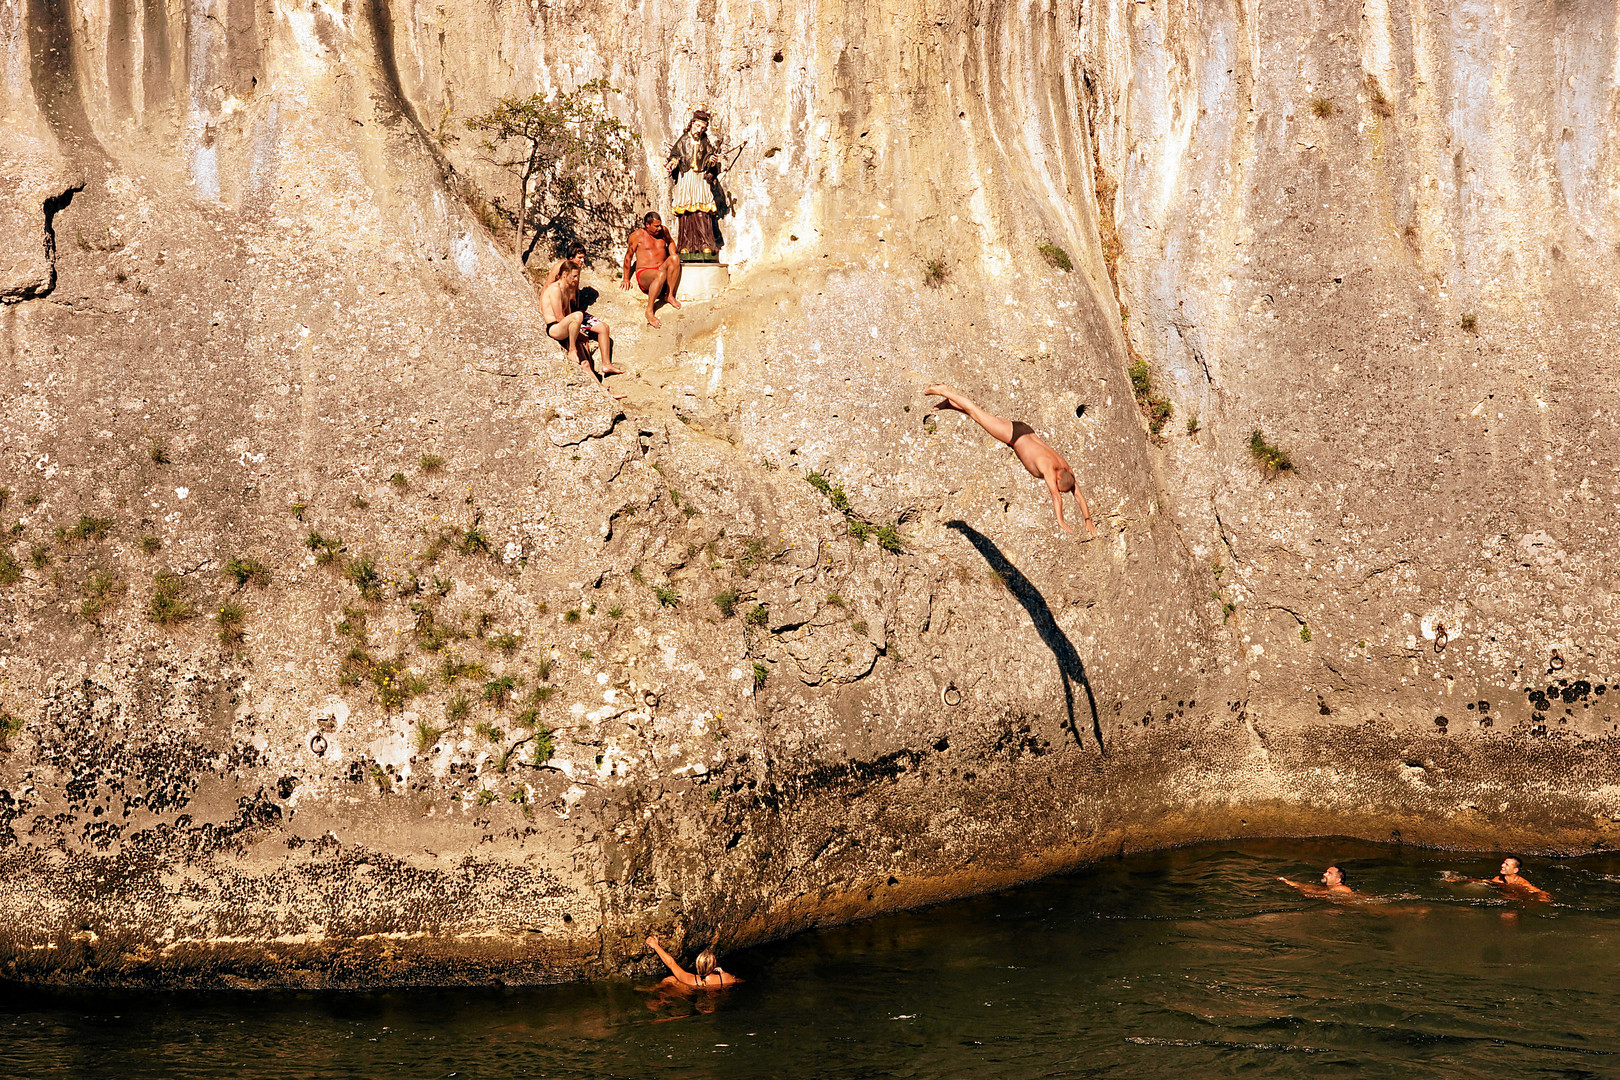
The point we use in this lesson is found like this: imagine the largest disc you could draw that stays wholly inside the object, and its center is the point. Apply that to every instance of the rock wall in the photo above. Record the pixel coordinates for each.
(489, 675)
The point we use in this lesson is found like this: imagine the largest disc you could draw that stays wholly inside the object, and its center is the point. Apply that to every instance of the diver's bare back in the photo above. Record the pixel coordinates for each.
(1033, 451)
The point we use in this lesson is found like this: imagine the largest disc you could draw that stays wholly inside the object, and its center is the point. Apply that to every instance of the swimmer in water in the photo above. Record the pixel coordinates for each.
(707, 973)
(1510, 881)
(1333, 884)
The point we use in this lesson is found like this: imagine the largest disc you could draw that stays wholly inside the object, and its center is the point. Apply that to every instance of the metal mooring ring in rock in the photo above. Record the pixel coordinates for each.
(951, 696)
(1557, 661)
(651, 699)
(317, 745)
(1441, 638)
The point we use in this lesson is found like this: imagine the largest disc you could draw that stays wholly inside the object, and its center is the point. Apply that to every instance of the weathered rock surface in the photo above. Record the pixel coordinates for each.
(249, 314)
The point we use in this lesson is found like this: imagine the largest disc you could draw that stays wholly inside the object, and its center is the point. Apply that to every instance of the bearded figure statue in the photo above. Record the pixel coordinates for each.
(694, 165)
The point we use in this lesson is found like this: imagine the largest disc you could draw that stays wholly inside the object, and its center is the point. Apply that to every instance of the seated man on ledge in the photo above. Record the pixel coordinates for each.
(572, 328)
(657, 268)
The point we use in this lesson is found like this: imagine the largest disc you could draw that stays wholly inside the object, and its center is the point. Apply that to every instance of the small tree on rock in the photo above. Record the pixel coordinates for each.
(571, 160)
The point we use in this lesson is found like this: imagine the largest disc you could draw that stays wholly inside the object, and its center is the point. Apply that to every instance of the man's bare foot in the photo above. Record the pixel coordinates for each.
(652, 320)
(672, 302)
(612, 371)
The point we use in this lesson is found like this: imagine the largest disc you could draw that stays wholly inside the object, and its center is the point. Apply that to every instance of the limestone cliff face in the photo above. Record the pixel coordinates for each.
(531, 673)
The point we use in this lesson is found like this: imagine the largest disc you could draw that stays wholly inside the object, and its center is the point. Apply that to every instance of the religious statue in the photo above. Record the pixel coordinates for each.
(694, 165)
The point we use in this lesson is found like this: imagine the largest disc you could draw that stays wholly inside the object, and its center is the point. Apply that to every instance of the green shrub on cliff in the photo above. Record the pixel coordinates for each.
(1268, 455)
(10, 571)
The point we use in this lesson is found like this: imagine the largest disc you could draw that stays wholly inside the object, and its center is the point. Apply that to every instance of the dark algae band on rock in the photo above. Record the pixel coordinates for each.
(353, 634)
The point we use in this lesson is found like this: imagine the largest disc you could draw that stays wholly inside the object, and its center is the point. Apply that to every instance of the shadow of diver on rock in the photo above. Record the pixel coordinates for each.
(1073, 671)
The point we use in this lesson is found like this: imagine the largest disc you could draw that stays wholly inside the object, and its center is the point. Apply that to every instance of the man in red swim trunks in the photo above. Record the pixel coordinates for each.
(657, 268)
(1043, 463)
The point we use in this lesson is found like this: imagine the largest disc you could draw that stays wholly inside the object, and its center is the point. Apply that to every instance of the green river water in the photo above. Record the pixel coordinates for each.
(1192, 963)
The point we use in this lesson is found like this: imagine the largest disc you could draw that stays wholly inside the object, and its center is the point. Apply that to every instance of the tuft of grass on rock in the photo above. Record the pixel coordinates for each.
(667, 596)
(88, 528)
(426, 735)
(1056, 257)
(1268, 455)
(506, 641)
(151, 545)
(761, 673)
(1155, 408)
(399, 481)
(935, 272)
(248, 572)
(362, 573)
(40, 556)
(759, 615)
(455, 710)
(489, 731)
(158, 451)
(1469, 323)
(169, 604)
(99, 590)
(1323, 107)
(10, 571)
(431, 463)
(297, 510)
(325, 548)
(726, 601)
(10, 726)
(498, 691)
(395, 682)
(571, 616)
(544, 747)
(230, 617)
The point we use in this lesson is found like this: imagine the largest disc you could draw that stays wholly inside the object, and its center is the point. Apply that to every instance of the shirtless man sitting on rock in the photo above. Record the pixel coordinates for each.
(1043, 463)
(657, 268)
(566, 324)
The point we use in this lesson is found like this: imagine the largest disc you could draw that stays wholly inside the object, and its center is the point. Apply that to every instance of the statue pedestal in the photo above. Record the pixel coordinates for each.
(703, 280)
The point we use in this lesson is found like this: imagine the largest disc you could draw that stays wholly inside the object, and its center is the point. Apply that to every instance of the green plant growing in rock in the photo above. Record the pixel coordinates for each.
(247, 572)
(426, 735)
(935, 272)
(542, 669)
(430, 463)
(859, 627)
(1155, 408)
(88, 528)
(455, 710)
(363, 575)
(399, 482)
(395, 682)
(1268, 455)
(33, 498)
(39, 556)
(230, 617)
(761, 673)
(297, 510)
(571, 616)
(829, 487)
(506, 641)
(10, 727)
(615, 612)
(498, 691)
(485, 796)
(357, 664)
(1192, 424)
(473, 541)
(353, 624)
(1323, 107)
(169, 604)
(759, 615)
(570, 159)
(1469, 323)
(151, 545)
(541, 694)
(10, 571)
(99, 590)
(325, 548)
(586, 654)
(667, 596)
(834, 600)
(488, 731)
(726, 601)
(158, 451)
(544, 747)
(1305, 632)
(1056, 257)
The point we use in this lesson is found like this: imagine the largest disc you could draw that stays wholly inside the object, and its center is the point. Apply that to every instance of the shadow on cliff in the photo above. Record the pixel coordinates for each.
(1070, 666)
